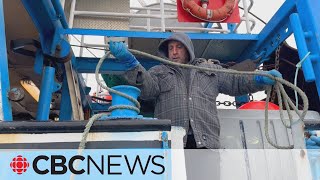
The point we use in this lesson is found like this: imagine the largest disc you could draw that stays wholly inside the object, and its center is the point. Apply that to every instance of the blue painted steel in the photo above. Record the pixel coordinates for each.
(302, 47)
(46, 91)
(143, 34)
(4, 73)
(208, 25)
(242, 99)
(273, 34)
(119, 100)
(46, 21)
(60, 13)
(310, 17)
(48, 17)
(38, 64)
(65, 47)
(65, 104)
(232, 27)
(88, 65)
(165, 141)
(98, 107)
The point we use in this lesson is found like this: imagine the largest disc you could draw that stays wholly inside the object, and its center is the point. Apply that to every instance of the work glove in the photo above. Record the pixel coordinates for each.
(266, 80)
(121, 52)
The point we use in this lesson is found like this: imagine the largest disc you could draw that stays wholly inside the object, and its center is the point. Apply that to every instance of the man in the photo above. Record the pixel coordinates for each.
(187, 96)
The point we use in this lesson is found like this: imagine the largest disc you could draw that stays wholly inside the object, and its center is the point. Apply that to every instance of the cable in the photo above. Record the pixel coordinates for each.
(88, 47)
(298, 65)
(85, 47)
(254, 15)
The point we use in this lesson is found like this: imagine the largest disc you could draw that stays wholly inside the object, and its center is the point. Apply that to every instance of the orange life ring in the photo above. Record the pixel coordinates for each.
(210, 15)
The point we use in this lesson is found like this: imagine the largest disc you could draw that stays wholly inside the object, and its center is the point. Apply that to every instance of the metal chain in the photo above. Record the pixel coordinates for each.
(276, 67)
(226, 103)
(277, 58)
(233, 103)
(250, 97)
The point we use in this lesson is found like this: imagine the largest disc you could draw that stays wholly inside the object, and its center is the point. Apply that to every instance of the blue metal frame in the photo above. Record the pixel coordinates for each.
(302, 46)
(97, 107)
(161, 35)
(38, 63)
(47, 21)
(4, 72)
(88, 65)
(273, 34)
(232, 27)
(309, 34)
(48, 86)
(48, 17)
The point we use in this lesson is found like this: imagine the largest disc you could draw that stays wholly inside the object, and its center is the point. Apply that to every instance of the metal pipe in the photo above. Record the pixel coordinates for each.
(148, 21)
(46, 91)
(142, 2)
(63, 2)
(60, 12)
(163, 24)
(244, 19)
(81, 43)
(5, 107)
(298, 33)
(245, 8)
(251, 20)
(95, 45)
(183, 28)
(250, 5)
(153, 9)
(72, 13)
(114, 14)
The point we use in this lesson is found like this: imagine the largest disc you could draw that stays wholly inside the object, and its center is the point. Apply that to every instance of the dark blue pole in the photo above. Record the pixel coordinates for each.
(5, 107)
(46, 91)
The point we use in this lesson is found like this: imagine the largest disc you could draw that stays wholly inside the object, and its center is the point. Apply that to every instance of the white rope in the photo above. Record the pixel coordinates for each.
(279, 88)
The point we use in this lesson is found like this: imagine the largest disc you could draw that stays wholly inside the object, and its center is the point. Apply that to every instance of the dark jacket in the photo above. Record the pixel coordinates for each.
(195, 103)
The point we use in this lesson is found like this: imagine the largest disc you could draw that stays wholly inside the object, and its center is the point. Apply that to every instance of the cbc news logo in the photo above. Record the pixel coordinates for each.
(104, 164)
(19, 164)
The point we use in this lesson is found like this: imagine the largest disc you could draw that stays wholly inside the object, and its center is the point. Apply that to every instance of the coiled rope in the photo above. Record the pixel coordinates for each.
(282, 96)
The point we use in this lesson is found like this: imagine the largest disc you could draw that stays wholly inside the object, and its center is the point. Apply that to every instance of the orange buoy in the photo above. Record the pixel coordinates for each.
(259, 105)
(209, 15)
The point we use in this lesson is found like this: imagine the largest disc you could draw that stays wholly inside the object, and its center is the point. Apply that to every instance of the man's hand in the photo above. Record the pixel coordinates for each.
(266, 80)
(121, 52)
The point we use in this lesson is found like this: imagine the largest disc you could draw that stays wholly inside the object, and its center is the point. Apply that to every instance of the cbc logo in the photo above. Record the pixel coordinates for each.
(19, 164)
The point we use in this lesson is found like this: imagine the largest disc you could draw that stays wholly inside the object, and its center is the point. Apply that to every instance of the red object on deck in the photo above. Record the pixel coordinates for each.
(184, 16)
(108, 97)
(259, 105)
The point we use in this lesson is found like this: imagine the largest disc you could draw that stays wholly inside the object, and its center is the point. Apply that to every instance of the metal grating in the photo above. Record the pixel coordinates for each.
(119, 6)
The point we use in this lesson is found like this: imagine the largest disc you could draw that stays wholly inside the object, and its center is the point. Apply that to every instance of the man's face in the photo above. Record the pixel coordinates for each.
(177, 52)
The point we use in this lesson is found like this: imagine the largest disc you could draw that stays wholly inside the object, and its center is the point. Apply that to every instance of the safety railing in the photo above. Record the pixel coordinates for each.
(153, 13)
(160, 13)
